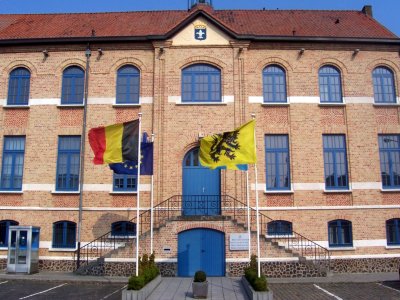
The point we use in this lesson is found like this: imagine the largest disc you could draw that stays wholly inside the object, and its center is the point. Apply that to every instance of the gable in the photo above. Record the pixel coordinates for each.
(206, 32)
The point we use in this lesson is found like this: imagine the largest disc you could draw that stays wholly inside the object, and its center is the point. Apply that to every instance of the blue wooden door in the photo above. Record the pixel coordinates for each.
(201, 187)
(201, 249)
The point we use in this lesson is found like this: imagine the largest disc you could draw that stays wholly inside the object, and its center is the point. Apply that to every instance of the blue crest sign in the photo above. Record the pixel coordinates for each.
(200, 31)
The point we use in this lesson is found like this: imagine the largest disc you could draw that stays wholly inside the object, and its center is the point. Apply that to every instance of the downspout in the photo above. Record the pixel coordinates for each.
(88, 53)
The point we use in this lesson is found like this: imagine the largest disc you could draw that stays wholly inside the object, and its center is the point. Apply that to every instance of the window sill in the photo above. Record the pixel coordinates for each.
(348, 191)
(284, 236)
(71, 106)
(127, 105)
(11, 192)
(200, 103)
(62, 249)
(3, 248)
(65, 192)
(390, 190)
(122, 236)
(124, 193)
(278, 192)
(266, 104)
(386, 104)
(332, 104)
(387, 247)
(24, 106)
(350, 248)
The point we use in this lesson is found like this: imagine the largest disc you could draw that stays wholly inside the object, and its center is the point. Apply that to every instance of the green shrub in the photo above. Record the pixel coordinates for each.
(147, 272)
(253, 262)
(260, 284)
(136, 283)
(251, 275)
(200, 276)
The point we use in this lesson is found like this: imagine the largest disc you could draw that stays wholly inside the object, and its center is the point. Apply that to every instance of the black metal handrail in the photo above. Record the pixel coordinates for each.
(203, 205)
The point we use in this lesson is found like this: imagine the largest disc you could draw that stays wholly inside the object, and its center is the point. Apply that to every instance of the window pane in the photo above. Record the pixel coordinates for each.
(277, 162)
(335, 162)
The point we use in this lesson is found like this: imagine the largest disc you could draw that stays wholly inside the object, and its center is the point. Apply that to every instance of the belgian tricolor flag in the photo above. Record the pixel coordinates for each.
(115, 143)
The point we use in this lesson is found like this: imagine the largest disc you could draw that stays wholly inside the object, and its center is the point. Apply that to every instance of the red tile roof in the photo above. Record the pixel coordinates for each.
(239, 23)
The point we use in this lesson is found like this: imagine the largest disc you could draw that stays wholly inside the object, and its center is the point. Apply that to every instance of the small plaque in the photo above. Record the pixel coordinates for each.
(239, 242)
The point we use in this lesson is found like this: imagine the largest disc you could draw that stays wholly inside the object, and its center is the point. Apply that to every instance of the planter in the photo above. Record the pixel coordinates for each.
(200, 290)
(143, 293)
(253, 295)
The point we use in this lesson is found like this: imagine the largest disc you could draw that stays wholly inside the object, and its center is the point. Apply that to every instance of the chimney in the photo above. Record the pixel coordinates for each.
(367, 10)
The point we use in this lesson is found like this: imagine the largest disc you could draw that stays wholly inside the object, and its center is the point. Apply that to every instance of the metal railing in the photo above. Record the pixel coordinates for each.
(200, 205)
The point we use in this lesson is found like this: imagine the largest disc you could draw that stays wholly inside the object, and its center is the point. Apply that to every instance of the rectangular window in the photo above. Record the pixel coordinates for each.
(335, 162)
(13, 163)
(277, 162)
(124, 183)
(69, 149)
(389, 152)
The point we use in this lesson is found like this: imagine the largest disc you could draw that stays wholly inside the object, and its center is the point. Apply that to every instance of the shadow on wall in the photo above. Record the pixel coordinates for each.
(103, 224)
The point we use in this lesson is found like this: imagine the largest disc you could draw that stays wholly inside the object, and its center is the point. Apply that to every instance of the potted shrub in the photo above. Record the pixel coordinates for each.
(200, 285)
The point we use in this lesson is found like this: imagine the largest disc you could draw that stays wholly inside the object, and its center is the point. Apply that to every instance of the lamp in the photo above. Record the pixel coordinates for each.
(356, 51)
(99, 53)
(45, 54)
(301, 52)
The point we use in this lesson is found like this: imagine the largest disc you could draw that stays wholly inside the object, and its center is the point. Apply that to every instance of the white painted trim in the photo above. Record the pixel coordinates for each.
(271, 192)
(228, 99)
(3, 102)
(38, 187)
(342, 248)
(389, 190)
(11, 192)
(62, 249)
(101, 101)
(356, 244)
(334, 104)
(174, 99)
(44, 101)
(365, 256)
(272, 259)
(38, 208)
(146, 100)
(167, 260)
(308, 186)
(97, 187)
(239, 260)
(355, 207)
(304, 100)
(116, 259)
(392, 247)
(366, 185)
(359, 100)
(337, 191)
(256, 99)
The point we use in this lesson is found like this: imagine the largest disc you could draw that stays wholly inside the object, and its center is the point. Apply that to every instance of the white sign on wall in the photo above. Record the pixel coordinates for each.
(239, 242)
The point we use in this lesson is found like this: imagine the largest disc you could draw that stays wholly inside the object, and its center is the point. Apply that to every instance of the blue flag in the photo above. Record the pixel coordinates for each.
(131, 167)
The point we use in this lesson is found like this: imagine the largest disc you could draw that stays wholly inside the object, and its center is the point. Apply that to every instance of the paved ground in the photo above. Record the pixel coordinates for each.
(63, 286)
(220, 288)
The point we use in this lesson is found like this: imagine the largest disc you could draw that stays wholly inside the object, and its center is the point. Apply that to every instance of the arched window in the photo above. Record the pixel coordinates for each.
(192, 158)
(18, 87)
(4, 226)
(123, 228)
(393, 231)
(73, 84)
(64, 234)
(128, 82)
(279, 227)
(384, 88)
(330, 86)
(340, 233)
(201, 83)
(274, 84)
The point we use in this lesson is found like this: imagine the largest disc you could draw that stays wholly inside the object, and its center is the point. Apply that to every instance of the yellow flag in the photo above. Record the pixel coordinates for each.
(230, 148)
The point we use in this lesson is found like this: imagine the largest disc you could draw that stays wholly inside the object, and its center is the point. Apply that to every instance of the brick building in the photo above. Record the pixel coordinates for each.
(324, 88)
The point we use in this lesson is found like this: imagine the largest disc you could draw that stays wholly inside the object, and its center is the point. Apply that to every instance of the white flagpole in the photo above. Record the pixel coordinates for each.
(152, 201)
(257, 217)
(138, 196)
(248, 209)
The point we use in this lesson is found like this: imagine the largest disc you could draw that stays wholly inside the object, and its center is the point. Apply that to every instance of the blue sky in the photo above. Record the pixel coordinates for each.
(385, 11)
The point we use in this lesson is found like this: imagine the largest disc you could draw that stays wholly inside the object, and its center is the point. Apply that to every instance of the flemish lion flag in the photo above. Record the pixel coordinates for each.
(115, 143)
(230, 148)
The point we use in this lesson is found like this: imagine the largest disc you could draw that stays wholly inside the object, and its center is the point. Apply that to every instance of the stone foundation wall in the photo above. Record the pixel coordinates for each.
(3, 263)
(56, 265)
(365, 265)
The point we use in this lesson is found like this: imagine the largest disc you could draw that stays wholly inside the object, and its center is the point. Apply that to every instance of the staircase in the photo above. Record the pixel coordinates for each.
(294, 245)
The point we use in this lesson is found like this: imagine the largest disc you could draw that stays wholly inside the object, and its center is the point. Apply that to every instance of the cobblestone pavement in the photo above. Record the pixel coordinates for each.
(338, 291)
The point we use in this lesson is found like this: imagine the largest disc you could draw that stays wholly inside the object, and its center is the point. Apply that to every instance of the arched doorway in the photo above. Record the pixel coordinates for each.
(201, 187)
(201, 249)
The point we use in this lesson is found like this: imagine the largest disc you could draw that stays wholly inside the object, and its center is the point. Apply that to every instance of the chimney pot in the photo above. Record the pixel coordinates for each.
(367, 10)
